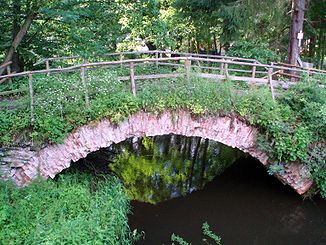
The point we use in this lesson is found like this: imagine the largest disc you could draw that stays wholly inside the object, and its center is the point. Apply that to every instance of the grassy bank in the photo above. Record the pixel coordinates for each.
(75, 209)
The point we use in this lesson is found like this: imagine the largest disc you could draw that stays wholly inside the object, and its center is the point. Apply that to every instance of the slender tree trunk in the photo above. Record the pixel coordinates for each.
(215, 43)
(15, 66)
(322, 48)
(19, 37)
(297, 18)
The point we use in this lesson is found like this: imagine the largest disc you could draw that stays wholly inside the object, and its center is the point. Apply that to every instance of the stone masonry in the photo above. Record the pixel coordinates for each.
(22, 164)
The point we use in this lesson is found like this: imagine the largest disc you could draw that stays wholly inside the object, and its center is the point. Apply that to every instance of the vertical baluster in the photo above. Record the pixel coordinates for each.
(188, 68)
(83, 78)
(47, 66)
(270, 80)
(31, 96)
(132, 78)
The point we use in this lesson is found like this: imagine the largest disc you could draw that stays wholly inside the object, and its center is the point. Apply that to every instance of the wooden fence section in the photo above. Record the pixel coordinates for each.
(182, 65)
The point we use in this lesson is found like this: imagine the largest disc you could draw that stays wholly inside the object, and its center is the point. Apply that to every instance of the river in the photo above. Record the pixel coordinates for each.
(178, 183)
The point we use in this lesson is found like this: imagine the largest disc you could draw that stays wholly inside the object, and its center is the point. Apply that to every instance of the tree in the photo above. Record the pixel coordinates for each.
(48, 28)
(297, 18)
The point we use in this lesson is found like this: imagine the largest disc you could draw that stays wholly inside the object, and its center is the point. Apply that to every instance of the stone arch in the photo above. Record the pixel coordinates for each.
(233, 132)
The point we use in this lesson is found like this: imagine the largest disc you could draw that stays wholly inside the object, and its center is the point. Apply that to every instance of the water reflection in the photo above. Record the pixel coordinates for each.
(155, 169)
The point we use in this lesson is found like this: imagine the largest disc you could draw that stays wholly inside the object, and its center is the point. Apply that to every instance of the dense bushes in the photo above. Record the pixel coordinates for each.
(253, 50)
(76, 209)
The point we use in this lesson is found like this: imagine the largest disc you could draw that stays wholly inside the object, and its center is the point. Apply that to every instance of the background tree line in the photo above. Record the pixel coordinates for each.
(32, 29)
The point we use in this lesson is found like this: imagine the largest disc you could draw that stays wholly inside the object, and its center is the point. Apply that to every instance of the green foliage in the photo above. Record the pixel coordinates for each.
(207, 233)
(316, 161)
(253, 50)
(75, 209)
(308, 101)
(179, 240)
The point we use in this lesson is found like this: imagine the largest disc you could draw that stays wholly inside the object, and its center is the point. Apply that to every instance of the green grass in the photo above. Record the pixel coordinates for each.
(290, 126)
(75, 209)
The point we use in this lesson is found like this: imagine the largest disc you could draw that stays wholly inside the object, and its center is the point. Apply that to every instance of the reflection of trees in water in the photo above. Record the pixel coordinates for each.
(158, 168)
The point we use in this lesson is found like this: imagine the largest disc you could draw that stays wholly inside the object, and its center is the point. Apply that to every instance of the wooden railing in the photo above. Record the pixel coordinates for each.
(206, 66)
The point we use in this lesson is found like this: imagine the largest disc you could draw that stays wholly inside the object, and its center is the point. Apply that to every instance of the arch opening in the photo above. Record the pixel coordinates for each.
(159, 168)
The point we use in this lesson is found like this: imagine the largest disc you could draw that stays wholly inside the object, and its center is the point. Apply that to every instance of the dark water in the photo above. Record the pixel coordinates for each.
(244, 206)
(171, 180)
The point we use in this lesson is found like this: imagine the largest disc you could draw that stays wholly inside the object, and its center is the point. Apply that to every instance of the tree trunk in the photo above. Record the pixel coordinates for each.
(297, 18)
(321, 51)
(215, 44)
(15, 66)
(19, 37)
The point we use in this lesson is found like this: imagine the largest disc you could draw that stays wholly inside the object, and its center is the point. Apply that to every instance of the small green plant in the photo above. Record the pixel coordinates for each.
(209, 237)
(179, 240)
(276, 168)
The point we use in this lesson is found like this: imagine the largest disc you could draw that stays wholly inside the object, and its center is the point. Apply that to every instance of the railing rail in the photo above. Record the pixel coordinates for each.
(160, 60)
(158, 52)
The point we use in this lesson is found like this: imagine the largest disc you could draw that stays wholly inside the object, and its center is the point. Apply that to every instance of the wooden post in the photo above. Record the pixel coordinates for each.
(270, 80)
(308, 75)
(83, 78)
(156, 57)
(132, 78)
(31, 96)
(226, 70)
(254, 71)
(222, 68)
(121, 58)
(47, 66)
(8, 73)
(188, 68)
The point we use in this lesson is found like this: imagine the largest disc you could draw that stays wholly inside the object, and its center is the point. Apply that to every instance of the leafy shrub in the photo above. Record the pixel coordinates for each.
(316, 161)
(253, 50)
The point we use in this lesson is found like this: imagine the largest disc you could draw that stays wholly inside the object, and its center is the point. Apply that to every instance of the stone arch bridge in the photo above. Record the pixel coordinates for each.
(24, 164)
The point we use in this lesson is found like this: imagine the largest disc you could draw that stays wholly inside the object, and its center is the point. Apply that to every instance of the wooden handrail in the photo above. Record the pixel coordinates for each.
(147, 52)
(303, 68)
(145, 60)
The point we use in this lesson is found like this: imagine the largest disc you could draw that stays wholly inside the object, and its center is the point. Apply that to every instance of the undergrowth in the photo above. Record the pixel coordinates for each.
(76, 209)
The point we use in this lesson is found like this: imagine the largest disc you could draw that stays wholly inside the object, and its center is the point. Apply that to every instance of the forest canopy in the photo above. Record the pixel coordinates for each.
(34, 29)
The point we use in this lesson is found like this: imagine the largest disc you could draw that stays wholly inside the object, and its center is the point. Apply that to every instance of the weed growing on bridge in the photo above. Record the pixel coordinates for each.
(76, 209)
